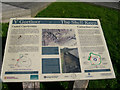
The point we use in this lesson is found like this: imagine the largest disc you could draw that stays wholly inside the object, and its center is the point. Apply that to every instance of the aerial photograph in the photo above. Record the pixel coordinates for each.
(70, 60)
(58, 37)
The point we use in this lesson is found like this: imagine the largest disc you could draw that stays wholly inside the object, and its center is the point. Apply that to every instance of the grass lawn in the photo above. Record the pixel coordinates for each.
(109, 21)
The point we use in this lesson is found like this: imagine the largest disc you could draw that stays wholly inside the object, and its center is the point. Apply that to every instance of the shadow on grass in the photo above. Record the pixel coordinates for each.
(3, 45)
(57, 85)
(12, 86)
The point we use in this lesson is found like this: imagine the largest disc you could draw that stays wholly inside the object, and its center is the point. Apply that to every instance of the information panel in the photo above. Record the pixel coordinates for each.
(55, 49)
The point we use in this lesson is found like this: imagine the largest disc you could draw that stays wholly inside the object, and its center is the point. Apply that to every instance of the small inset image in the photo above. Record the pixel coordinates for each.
(50, 51)
(62, 37)
(50, 65)
(33, 77)
(70, 60)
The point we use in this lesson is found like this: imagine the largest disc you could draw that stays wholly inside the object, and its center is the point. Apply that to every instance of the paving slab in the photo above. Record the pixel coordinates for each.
(21, 9)
(9, 11)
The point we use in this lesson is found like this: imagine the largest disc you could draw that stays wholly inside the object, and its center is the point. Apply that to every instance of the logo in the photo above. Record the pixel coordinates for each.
(50, 76)
(88, 73)
(10, 78)
(34, 77)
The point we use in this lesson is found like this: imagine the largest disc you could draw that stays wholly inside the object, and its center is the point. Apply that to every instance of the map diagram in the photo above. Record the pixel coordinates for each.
(23, 61)
(94, 59)
(62, 37)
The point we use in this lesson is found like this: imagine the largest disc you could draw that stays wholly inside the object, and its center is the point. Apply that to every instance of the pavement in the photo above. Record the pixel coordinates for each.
(35, 7)
(115, 5)
(21, 9)
(9, 11)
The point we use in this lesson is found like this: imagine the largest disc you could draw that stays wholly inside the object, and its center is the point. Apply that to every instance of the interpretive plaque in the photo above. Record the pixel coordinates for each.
(55, 49)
